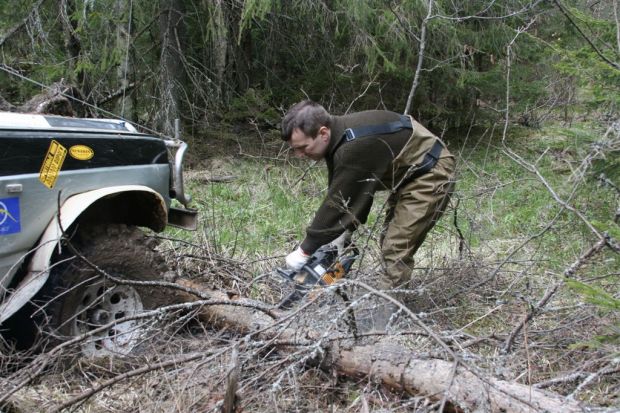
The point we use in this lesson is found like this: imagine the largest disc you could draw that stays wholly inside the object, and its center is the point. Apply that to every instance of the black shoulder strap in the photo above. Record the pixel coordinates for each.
(353, 133)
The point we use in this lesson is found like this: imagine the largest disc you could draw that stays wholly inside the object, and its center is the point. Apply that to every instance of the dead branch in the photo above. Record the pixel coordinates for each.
(58, 99)
(394, 365)
(569, 272)
(230, 397)
(6, 105)
(609, 369)
(37, 366)
(117, 93)
(133, 373)
(421, 48)
(216, 179)
(576, 376)
(507, 347)
(13, 30)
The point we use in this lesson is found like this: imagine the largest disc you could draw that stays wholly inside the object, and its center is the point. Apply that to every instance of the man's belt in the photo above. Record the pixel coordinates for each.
(429, 161)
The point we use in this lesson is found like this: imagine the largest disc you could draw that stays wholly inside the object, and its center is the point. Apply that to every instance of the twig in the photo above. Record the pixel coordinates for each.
(530, 314)
(37, 366)
(573, 377)
(230, 398)
(570, 271)
(434, 336)
(422, 47)
(9, 33)
(217, 179)
(136, 372)
(372, 82)
(120, 91)
(303, 175)
(550, 292)
(592, 377)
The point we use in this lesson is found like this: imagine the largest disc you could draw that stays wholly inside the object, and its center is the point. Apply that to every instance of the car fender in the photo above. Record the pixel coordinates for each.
(39, 264)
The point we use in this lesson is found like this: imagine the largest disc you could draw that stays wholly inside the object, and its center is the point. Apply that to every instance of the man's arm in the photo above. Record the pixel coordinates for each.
(356, 177)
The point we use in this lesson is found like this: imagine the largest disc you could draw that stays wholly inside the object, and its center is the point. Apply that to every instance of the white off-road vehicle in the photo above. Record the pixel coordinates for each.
(72, 194)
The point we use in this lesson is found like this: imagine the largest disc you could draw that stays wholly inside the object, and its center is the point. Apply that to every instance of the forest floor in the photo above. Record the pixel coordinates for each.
(498, 257)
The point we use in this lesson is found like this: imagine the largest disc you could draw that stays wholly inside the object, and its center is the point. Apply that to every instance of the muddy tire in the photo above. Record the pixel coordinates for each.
(80, 299)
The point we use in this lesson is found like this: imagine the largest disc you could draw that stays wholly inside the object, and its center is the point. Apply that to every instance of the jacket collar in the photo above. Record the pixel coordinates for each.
(337, 132)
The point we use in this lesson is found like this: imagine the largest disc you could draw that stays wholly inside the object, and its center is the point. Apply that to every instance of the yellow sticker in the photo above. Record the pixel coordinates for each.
(52, 163)
(81, 152)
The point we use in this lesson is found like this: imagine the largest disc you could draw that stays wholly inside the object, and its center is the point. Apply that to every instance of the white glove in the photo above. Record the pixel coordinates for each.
(296, 259)
(342, 241)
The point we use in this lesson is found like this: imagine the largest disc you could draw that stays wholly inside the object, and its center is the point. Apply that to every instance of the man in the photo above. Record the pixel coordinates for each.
(367, 152)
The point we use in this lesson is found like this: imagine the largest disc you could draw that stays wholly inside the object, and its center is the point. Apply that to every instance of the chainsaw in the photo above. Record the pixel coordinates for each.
(322, 269)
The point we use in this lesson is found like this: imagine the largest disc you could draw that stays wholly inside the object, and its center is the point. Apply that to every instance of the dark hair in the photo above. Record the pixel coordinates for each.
(306, 115)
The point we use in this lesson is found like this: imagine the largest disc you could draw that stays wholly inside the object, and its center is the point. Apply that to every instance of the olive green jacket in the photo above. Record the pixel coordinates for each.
(359, 168)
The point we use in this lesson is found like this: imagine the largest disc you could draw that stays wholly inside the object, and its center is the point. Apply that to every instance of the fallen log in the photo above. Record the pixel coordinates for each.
(392, 365)
(60, 98)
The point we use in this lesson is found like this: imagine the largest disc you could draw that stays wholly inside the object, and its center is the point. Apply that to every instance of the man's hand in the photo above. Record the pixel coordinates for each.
(342, 241)
(296, 259)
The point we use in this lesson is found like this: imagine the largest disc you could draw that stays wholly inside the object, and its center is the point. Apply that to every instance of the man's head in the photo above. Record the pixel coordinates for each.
(307, 129)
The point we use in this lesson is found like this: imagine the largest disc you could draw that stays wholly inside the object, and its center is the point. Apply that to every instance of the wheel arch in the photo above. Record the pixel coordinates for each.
(128, 204)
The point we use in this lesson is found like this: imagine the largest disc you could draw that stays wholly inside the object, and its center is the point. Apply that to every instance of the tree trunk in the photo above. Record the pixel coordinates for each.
(220, 46)
(56, 100)
(73, 44)
(125, 73)
(240, 52)
(171, 68)
(393, 365)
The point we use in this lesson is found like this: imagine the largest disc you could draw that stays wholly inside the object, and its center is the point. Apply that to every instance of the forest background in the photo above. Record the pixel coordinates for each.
(526, 93)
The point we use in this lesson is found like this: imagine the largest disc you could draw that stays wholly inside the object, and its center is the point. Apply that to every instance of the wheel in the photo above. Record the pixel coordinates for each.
(78, 299)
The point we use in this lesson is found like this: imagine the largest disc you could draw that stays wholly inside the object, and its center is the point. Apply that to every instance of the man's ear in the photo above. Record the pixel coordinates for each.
(324, 133)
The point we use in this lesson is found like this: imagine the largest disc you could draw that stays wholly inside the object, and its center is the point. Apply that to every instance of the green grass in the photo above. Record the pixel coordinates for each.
(258, 212)
(513, 227)
(503, 200)
(502, 205)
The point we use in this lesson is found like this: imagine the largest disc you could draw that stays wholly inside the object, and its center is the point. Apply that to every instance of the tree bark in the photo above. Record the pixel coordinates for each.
(58, 99)
(240, 52)
(171, 69)
(125, 72)
(393, 365)
(73, 44)
(220, 47)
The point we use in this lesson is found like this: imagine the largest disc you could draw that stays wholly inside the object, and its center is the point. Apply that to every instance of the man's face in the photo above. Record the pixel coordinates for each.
(305, 146)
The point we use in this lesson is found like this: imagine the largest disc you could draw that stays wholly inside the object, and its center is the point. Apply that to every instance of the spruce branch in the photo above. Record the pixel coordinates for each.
(565, 12)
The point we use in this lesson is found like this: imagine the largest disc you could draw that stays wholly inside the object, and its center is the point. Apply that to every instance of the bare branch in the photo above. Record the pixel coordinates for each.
(480, 15)
(421, 48)
(609, 369)
(13, 30)
(174, 362)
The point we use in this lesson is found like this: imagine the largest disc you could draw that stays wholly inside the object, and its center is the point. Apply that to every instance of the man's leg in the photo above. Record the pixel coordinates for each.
(415, 209)
(411, 214)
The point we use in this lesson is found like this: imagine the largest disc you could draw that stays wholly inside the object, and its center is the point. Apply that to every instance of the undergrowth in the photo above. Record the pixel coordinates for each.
(503, 245)
(504, 242)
